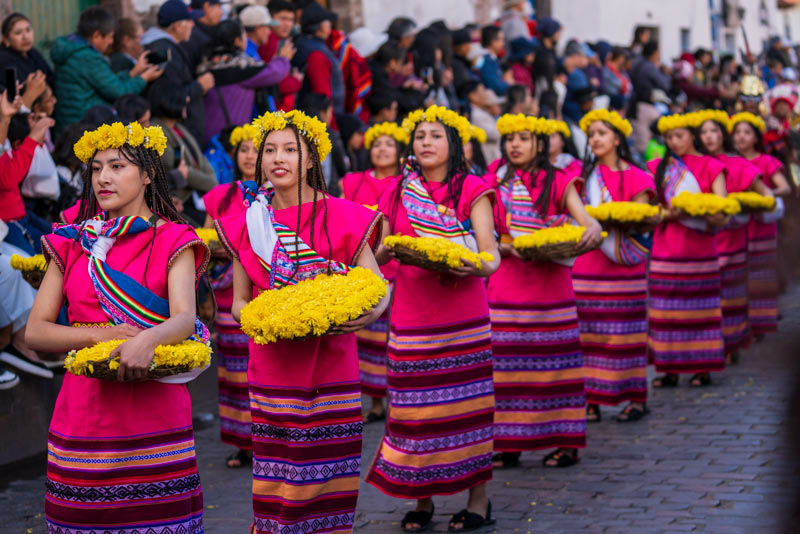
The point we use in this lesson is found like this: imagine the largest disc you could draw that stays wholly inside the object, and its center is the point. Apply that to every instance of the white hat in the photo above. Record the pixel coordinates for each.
(366, 42)
(255, 16)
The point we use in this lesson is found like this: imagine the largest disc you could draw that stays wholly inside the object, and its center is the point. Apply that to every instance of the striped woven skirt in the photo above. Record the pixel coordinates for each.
(538, 376)
(371, 342)
(762, 286)
(306, 457)
(234, 400)
(684, 315)
(733, 300)
(146, 483)
(613, 322)
(439, 432)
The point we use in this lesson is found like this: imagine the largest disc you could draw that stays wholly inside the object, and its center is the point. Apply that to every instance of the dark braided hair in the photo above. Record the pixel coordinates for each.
(540, 162)
(315, 179)
(237, 177)
(623, 151)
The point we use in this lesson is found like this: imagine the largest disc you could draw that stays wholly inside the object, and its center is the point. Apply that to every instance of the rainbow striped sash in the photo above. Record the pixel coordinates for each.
(521, 214)
(123, 299)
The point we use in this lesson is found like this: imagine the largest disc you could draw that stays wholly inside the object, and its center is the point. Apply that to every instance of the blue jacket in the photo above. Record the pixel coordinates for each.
(492, 75)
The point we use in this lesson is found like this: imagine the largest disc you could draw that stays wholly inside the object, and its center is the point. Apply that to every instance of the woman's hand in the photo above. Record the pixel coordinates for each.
(717, 219)
(120, 331)
(366, 319)
(668, 213)
(287, 50)
(135, 357)
(507, 249)
(591, 238)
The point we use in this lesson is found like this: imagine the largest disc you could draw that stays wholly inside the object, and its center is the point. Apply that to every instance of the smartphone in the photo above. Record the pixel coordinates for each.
(11, 83)
(159, 58)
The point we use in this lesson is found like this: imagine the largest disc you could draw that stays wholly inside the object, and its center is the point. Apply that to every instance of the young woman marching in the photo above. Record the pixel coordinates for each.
(538, 368)
(762, 231)
(611, 282)
(684, 313)
(304, 395)
(117, 459)
(385, 143)
(439, 371)
(740, 175)
(234, 399)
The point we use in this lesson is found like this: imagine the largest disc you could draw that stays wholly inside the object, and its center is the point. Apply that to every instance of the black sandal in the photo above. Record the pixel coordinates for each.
(418, 517)
(562, 458)
(372, 417)
(244, 459)
(506, 460)
(700, 380)
(593, 414)
(632, 413)
(666, 381)
(471, 520)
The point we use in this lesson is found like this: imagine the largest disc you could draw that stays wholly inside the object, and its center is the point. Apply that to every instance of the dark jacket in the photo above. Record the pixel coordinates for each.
(646, 76)
(545, 67)
(178, 72)
(195, 47)
(462, 70)
(407, 99)
(24, 65)
(320, 77)
(120, 61)
(84, 79)
(492, 75)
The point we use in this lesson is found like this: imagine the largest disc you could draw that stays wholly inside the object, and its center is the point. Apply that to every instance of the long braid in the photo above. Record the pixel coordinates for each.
(299, 205)
(543, 163)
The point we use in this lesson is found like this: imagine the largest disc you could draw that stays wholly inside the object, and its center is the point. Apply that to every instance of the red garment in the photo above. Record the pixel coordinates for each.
(12, 172)
(522, 75)
(289, 86)
(356, 73)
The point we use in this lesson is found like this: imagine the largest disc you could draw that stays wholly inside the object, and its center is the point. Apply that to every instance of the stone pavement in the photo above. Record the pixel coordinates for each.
(713, 460)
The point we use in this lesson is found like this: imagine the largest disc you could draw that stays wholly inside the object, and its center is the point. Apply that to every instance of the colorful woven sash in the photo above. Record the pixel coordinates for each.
(677, 179)
(427, 218)
(521, 214)
(123, 299)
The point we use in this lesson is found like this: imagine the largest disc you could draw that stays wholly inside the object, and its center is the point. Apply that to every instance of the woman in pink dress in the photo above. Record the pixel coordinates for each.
(740, 175)
(385, 143)
(538, 368)
(762, 231)
(234, 400)
(611, 282)
(305, 395)
(121, 454)
(684, 310)
(439, 372)
(563, 155)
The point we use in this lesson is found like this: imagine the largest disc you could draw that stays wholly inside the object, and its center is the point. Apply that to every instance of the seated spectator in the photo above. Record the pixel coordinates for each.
(575, 61)
(133, 108)
(282, 12)
(335, 165)
(514, 19)
(352, 131)
(545, 66)
(98, 115)
(257, 23)
(479, 101)
(387, 63)
(402, 31)
(646, 77)
(211, 14)
(616, 82)
(461, 64)
(17, 49)
(520, 100)
(45, 104)
(489, 67)
(127, 45)
(382, 106)
(190, 173)
(83, 76)
(522, 53)
(174, 27)
(69, 169)
(237, 76)
(219, 154)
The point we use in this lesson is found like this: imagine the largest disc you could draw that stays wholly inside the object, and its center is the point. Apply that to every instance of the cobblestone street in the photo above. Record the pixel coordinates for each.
(706, 460)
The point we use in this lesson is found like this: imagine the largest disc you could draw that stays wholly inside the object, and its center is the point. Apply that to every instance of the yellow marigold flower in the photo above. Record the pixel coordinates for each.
(34, 263)
(559, 127)
(243, 133)
(135, 134)
(622, 211)
(478, 134)
(611, 117)
(746, 116)
(314, 130)
(509, 124)
(694, 119)
(391, 129)
(117, 135)
(699, 204)
(207, 235)
(551, 236)
(441, 114)
(753, 200)
(188, 354)
(312, 307)
(439, 250)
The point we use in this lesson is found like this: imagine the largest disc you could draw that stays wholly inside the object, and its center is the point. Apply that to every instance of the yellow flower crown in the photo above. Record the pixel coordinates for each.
(116, 135)
(508, 124)
(391, 129)
(478, 134)
(441, 114)
(694, 119)
(746, 116)
(243, 133)
(611, 117)
(314, 130)
(558, 127)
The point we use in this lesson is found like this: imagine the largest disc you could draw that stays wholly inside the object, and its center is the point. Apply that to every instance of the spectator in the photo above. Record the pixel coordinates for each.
(206, 14)
(352, 131)
(174, 27)
(386, 64)
(68, 166)
(323, 74)
(491, 74)
(616, 83)
(521, 56)
(646, 77)
(17, 49)
(219, 152)
(520, 100)
(402, 31)
(257, 23)
(190, 173)
(133, 108)
(382, 106)
(575, 61)
(335, 166)
(83, 76)
(461, 65)
(355, 72)
(282, 12)
(15, 307)
(546, 64)
(641, 36)
(478, 99)
(513, 21)
(237, 76)
(98, 115)
(127, 45)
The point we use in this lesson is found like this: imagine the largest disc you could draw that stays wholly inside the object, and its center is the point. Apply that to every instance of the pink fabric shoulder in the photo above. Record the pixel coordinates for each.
(474, 188)
(178, 237)
(493, 166)
(740, 173)
(626, 185)
(562, 181)
(57, 248)
(705, 170)
(350, 183)
(350, 224)
(71, 213)
(652, 165)
(769, 165)
(387, 198)
(215, 199)
(575, 168)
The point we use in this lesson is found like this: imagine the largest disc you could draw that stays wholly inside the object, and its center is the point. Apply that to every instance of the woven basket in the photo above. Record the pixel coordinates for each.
(104, 372)
(34, 278)
(409, 256)
(643, 226)
(755, 209)
(556, 251)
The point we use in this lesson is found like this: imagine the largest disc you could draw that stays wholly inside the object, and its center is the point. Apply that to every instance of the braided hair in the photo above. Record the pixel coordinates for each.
(541, 162)
(237, 177)
(623, 151)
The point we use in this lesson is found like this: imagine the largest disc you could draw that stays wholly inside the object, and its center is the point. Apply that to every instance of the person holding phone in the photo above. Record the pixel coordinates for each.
(17, 50)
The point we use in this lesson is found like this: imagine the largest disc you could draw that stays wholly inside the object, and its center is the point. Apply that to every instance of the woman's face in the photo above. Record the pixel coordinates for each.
(383, 152)
(430, 145)
(602, 139)
(679, 141)
(47, 102)
(711, 137)
(521, 148)
(468, 152)
(20, 38)
(279, 160)
(744, 138)
(117, 182)
(556, 145)
(246, 157)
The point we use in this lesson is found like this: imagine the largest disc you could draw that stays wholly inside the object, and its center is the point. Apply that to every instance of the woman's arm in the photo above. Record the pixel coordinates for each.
(782, 187)
(383, 255)
(242, 290)
(482, 220)
(761, 188)
(719, 188)
(593, 235)
(43, 334)
(135, 355)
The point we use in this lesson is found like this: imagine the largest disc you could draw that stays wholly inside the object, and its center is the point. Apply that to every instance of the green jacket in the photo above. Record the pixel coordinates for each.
(84, 79)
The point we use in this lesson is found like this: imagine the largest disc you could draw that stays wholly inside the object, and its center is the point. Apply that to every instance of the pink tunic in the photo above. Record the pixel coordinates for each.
(115, 438)
(739, 176)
